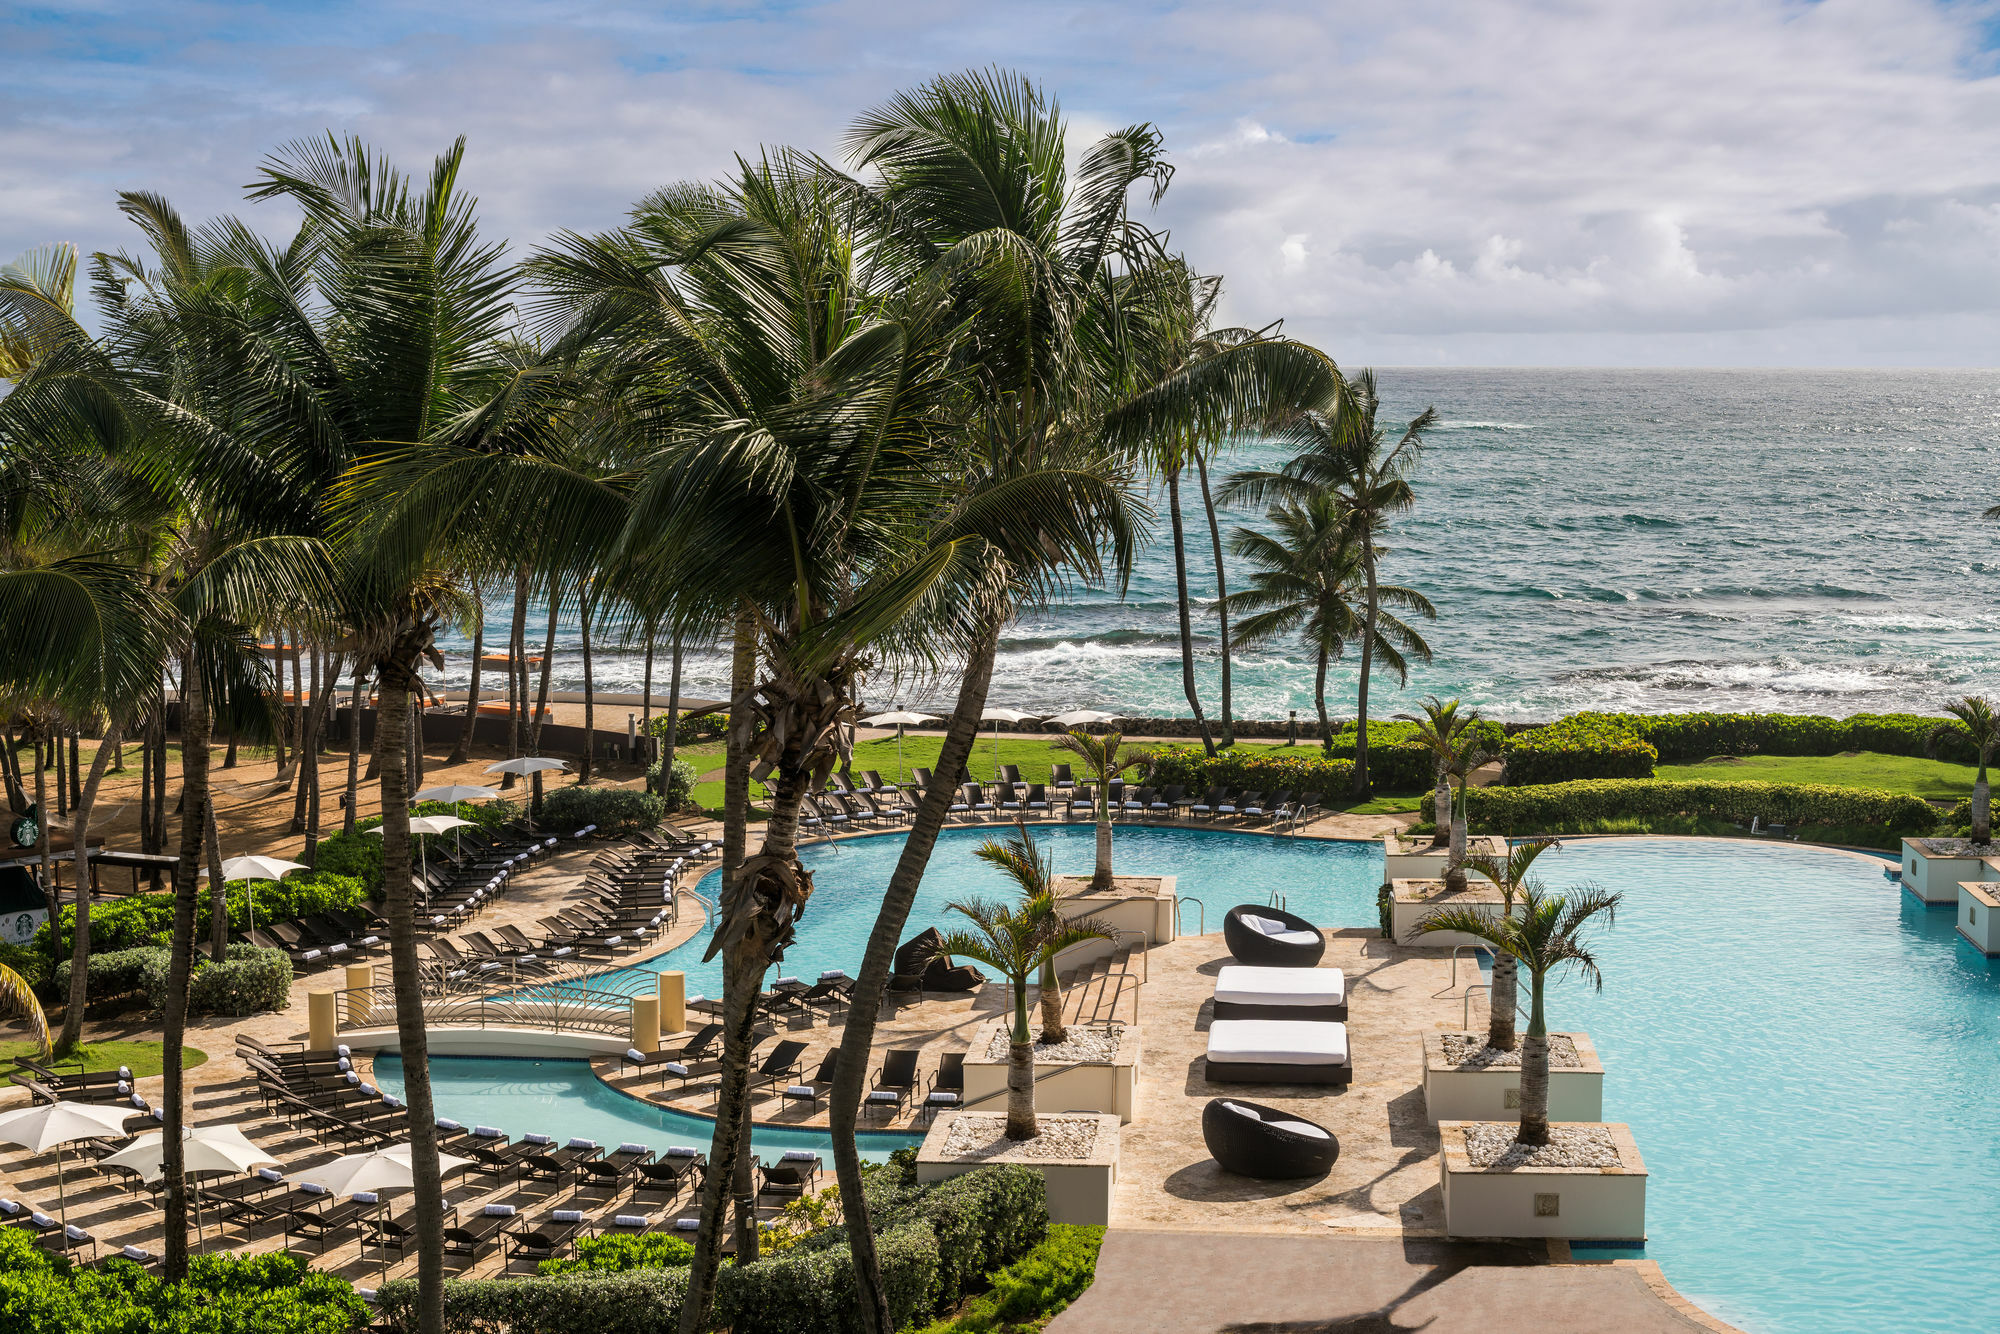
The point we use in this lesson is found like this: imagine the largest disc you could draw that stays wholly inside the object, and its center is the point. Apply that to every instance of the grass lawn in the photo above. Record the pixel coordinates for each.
(1932, 779)
(144, 1058)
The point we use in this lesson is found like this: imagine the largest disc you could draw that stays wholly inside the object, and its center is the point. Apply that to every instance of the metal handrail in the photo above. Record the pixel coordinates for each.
(1465, 1011)
(1455, 950)
(1145, 947)
(1182, 902)
(1278, 900)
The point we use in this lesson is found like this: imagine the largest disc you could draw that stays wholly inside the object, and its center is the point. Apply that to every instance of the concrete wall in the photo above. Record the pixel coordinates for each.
(1151, 916)
(1494, 1095)
(1112, 1087)
(1079, 1192)
(1979, 916)
(1573, 1203)
(1936, 879)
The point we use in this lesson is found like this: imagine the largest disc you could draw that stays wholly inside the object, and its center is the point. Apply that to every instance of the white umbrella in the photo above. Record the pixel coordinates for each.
(457, 792)
(996, 716)
(380, 1169)
(528, 764)
(214, 1148)
(1083, 718)
(51, 1125)
(898, 719)
(255, 868)
(428, 824)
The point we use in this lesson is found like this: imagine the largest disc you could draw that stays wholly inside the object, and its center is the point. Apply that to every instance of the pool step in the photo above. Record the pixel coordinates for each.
(1093, 993)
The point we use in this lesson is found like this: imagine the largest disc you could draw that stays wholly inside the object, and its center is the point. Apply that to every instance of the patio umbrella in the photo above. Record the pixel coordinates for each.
(428, 824)
(527, 764)
(380, 1169)
(898, 720)
(54, 1124)
(996, 717)
(1083, 718)
(455, 793)
(255, 868)
(213, 1148)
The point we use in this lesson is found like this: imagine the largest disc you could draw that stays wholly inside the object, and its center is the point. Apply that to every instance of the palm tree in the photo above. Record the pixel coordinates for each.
(1310, 578)
(1099, 755)
(18, 996)
(1018, 940)
(1034, 871)
(1549, 935)
(1345, 450)
(1471, 752)
(1977, 721)
(1438, 731)
(1512, 874)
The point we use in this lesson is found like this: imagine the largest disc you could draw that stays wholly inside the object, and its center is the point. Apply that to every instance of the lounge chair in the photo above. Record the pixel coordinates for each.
(895, 1083)
(475, 1234)
(1060, 778)
(612, 1170)
(1235, 802)
(1038, 800)
(812, 1090)
(1272, 937)
(671, 1173)
(1206, 806)
(1266, 809)
(1268, 1143)
(1011, 772)
(947, 1084)
(1278, 1051)
(781, 1066)
(789, 1178)
(1244, 991)
(397, 1232)
(327, 1218)
(547, 1237)
(827, 993)
(912, 958)
(1163, 802)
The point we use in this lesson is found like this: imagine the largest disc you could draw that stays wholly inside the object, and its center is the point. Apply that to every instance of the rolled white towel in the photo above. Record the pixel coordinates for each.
(567, 1216)
(801, 1091)
(136, 1253)
(365, 1197)
(499, 1211)
(687, 1225)
(629, 1147)
(683, 1151)
(634, 1055)
(537, 1139)
(581, 1144)
(631, 1220)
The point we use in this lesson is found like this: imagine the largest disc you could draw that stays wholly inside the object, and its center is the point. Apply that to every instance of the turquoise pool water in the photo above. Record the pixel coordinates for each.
(564, 1099)
(1215, 866)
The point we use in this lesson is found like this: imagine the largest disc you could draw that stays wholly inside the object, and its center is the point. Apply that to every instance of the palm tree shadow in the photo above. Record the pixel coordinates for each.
(1445, 1264)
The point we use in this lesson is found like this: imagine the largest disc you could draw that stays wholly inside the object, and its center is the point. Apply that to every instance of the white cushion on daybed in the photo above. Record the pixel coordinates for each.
(1278, 1042)
(1246, 984)
(1306, 1128)
(1277, 930)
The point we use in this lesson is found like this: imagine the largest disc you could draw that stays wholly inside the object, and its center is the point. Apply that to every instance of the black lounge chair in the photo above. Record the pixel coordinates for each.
(781, 1066)
(1272, 937)
(947, 1085)
(787, 1179)
(812, 1090)
(895, 1082)
(912, 958)
(1268, 1143)
(545, 1239)
(671, 1173)
(323, 1222)
(476, 1233)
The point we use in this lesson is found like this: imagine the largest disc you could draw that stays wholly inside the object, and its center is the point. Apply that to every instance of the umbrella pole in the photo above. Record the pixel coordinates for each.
(62, 1195)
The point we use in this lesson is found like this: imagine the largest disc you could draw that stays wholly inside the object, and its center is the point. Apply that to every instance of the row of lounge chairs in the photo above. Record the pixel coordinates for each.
(781, 1070)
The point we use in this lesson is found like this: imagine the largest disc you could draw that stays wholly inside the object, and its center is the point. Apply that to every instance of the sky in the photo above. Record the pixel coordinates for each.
(1495, 182)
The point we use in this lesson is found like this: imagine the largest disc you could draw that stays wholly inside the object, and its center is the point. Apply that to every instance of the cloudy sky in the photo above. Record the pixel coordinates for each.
(1676, 182)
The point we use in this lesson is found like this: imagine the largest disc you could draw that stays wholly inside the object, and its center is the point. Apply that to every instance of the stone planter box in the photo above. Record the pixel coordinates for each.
(1572, 1203)
(1142, 907)
(1414, 859)
(1415, 900)
(1493, 1093)
(1097, 1086)
(1933, 868)
(1979, 915)
(1080, 1189)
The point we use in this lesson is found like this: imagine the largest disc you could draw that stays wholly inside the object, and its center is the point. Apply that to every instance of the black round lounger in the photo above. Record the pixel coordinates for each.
(1296, 943)
(1269, 1143)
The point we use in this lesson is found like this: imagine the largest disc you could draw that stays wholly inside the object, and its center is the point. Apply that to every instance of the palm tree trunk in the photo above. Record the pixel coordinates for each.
(461, 751)
(79, 965)
(542, 698)
(1535, 1072)
(589, 696)
(218, 905)
(1319, 703)
(347, 814)
(1454, 862)
(396, 680)
(326, 688)
(742, 981)
(646, 706)
(1982, 806)
(673, 717)
(1369, 619)
(1050, 989)
(1503, 999)
(517, 682)
(1441, 810)
(1221, 598)
(1021, 1071)
(180, 967)
(45, 871)
(1187, 627)
(1100, 877)
(872, 985)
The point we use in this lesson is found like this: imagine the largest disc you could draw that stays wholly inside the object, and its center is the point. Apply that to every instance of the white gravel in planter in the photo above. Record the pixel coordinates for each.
(986, 1137)
(1953, 847)
(1078, 1045)
(1468, 1051)
(1492, 1144)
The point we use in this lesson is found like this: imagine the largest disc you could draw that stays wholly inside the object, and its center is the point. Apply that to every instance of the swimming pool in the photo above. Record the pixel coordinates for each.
(564, 1099)
(1216, 866)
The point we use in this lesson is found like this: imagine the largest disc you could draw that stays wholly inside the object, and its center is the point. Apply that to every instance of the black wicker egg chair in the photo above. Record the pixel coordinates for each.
(1272, 937)
(1269, 1143)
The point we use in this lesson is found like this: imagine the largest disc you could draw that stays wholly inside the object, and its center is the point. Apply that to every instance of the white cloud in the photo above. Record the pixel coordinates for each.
(1682, 181)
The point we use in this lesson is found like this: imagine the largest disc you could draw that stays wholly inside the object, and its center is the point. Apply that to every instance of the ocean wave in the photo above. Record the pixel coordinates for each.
(1483, 426)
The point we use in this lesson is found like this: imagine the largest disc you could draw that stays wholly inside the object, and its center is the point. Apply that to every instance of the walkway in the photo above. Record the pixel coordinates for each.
(1232, 1283)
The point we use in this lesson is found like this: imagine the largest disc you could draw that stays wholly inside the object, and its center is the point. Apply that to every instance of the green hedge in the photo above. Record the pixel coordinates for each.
(692, 729)
(679, 790)
(1557, 807)
(638, 1301)
(271, 1293)
(1247, 768)
(614, 810)
(1583, 745)
(615, 1254)
(1038, 1285)
(248, 979)
(140, 921)
(1687, 738)
(32, 964)
(139, 972)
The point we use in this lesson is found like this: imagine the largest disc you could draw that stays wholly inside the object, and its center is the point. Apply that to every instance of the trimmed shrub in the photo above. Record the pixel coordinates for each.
(616, 1254)
(680, 784)
(983, 1220)
(1687, 738)
(141, 972)
(810, 1290)
(142, 921)
(272, 1293)
(1584, 745)
(1248, 768)
(614, 810)
(692, 728)
(1035, 1287)
(32, 964)
(249, 980)
(1561, 807)
(638, 1301)
(355, 856)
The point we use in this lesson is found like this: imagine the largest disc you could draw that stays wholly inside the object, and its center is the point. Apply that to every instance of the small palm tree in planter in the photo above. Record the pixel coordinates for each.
(1017, 940)
(1510, 874)
(1438, 729)
(1976, 719)
(1024, 862)
(1099, 755)
(1549, 936)
(1468, 753)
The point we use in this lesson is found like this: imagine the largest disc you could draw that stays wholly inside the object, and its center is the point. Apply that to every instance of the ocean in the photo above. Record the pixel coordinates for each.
(1671, 540)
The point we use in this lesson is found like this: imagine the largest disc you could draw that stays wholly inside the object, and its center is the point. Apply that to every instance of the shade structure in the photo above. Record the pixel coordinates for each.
(51, 1125)
(898, 719)
(528, 764)
(457, 792)
(380, 1169)
(204, 1149)
(428, 824)
(1083, 718)
(255, 868)
(996, 716)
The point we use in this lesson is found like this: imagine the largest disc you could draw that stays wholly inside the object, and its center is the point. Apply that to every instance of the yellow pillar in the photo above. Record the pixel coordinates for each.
(646, 1023)
(322, 1024)
(360, 978)
(673, 1002)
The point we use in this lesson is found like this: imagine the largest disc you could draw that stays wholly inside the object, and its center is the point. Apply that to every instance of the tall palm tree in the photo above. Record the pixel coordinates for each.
(1100, 756)
(1033, 870)
(1310, 578)
(1438, 731)
(1976, 720)
(1344, 449)
(1017, 940)
(1548, 937)
(1513, 875)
